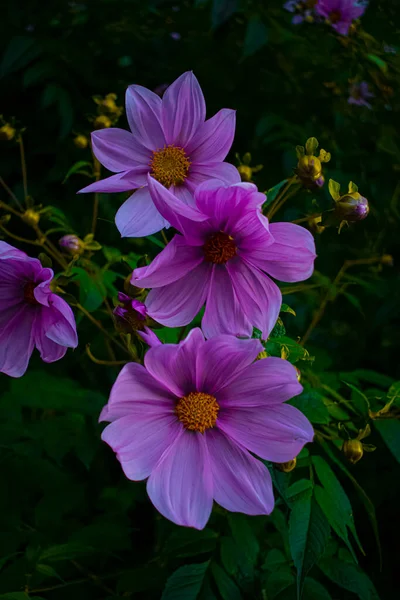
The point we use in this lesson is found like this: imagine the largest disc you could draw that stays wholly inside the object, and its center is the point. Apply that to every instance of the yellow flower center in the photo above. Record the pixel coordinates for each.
(219, 248)
(29, 295)
(170, 165)
(197, 411)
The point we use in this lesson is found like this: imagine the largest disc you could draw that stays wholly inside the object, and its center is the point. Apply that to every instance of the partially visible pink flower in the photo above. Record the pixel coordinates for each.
(31, 315)
(133, 315)
(191, 419)
(223, 257)
(359, 94)
(340, 13)
(171, 140)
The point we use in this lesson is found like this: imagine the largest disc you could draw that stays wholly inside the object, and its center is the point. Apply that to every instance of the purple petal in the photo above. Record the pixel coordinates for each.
(59, 322)
(267, 382)
(241, 482)
(138, 216)
(149, 337)
(133, 389)
(9, 252)
(222, 359)
(214, 139)
(174, 262)
(140, 440)
(118, 150)
(143, 111)
(180, 486)
(223, 312)
(291, 257)
(297, 19)
(260, 297)
(183, 110)
(121, 182)
(16, 341)
(174, 210)
(174, 365)
(225, 172)
(276, 433)
(178, 303)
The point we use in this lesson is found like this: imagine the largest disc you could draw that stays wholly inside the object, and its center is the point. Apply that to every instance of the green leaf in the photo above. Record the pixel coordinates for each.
(222, 10)
(293, 350)
(277, 582)
(65, 552)
(369, 376)
(286, 309)
(273, 192)
(48, 571)
(311, 145)
(389, 429)
(226, 586)
(190, 542)
(77, 168)
(245, 548)
(185, 583)
(275, 559)
(350, 577)
(20, 51)
(334, 189)
(354, 301)
(394, 392)
(313, 590)
(142, 580)
(359, 400)
(256, 36)
(312, 405)
(91, 290)
(378, 62)
(156, 241)
(308, 534)
(111, 254)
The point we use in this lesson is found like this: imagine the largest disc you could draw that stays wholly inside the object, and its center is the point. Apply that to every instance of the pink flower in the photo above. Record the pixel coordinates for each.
(132, 315)
(340, 13)
(171, 140)
(30, 314)
(189, 419)
(221, 259)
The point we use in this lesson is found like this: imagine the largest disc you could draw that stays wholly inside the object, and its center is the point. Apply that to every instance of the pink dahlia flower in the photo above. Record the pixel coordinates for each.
(171, 140)
(340, 13)
(223, 257)
(30, 313)
(191, 417)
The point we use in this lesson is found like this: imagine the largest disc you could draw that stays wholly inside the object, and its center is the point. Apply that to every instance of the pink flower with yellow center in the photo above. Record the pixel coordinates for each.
(171, 140)
(191, 419)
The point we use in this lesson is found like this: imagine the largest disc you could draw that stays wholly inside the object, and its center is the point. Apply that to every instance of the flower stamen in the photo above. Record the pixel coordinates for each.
(197, 411)
(170, 165)
(219, 248)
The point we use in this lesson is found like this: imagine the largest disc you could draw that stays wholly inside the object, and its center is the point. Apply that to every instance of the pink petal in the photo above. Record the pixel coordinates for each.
(223, 312)
(134, 388)
(226, 173)
(267, 382)
(149, 337)
(175, 365)
(174, 262)
(9, 252)
(16, 341)
(241, 482)
(222, 359)
(180, 486)
(183, 110)
(276, 433)
(143, 111)
(140, 440)
(178, 303)
(120, 182)
(138, 216)
(118, 150)
(291, 257)
(214, 139)
(260, 297)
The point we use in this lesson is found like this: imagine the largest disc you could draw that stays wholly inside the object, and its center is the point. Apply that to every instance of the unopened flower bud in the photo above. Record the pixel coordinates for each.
(72, 244)
(286, 467)
(353, 450)
(387, 259)
(245, 172)
(81, 141)
(102, 122)
(309, 169)
(352, 207)
(7, 132)
(31, 217)
(131, 290)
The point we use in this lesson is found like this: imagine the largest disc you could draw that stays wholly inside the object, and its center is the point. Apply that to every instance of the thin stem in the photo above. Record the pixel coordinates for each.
(272, 209)
(304, 219)
(300, 288)
(24, 173)
(292, 193)
(97, 172)
(96, 580)
(13, 196)
(164, 237)
(339, 398)
(99, 326)
(18, 238)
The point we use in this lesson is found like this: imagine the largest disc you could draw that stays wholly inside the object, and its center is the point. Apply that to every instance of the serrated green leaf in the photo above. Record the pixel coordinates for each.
(350, 577)
(185, 583)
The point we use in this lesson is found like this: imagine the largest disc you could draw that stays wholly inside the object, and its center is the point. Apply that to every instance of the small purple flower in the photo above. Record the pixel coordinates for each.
(71, 243)
(359, 94)
(132, 314)
(220, 258)
(191, 419)
(171, 140)
(31, 315)
(340, 13)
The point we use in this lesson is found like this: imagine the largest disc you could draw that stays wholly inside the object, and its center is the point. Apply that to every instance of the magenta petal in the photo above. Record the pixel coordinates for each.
(174, 262)
(149, 337)
(16, 341)
(214, 139)
(178, 303)
(139, 440)
(118, 150)
(175, 365)
(260, 297)
(223, 312)
(291, 257)
(241, 482)
(276, 433)
(120, 182)
(180, 486)
(222, 359)
(138, 216)
(62, 330)
(223, 171)
(134, 388)
(143, 111)
(183, 110)
(9, 252)
(267, 382)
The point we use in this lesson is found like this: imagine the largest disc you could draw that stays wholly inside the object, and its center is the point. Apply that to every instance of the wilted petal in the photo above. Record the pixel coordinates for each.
(143, 111)
(138, 216)
(241, 482)
(214, 139)
(180, 486)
